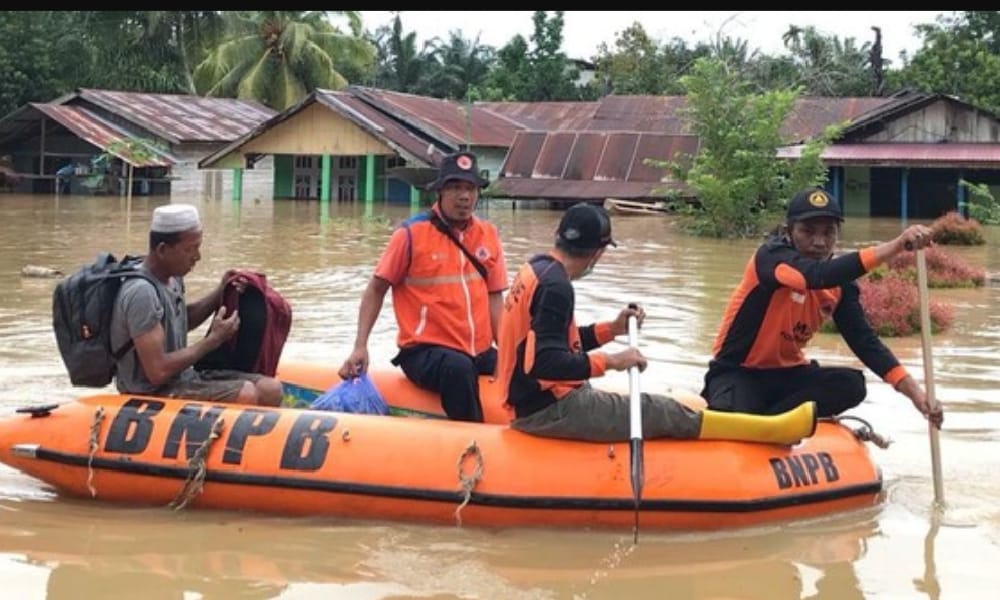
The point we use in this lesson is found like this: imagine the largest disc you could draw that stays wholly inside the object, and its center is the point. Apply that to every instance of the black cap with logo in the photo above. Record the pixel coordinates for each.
(585, 227)
(461, 166)
(811, 203)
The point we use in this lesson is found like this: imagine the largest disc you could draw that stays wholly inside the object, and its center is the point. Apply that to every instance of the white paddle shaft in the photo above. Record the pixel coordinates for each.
(635, 406)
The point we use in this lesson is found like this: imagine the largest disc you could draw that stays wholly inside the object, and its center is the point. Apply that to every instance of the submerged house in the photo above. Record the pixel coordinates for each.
(364, 144)
(902, 155)
(84, 141)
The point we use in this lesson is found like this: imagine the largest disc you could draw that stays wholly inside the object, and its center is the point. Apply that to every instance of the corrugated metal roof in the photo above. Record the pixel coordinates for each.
(94, 130)
(906, 154)
(180, 118)
(546, 116)
(590, 164)
(664, 114)
(417, 151)
(561, 189)
(811, 115)
(659, 114)
(442, 119)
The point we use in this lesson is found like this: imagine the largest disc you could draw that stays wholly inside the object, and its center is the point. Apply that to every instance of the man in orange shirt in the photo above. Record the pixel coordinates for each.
(447, 272)
(790, 286)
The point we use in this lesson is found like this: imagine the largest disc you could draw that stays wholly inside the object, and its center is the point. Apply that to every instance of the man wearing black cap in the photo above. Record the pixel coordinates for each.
(790, 286)
(447, 272)
(546, 360)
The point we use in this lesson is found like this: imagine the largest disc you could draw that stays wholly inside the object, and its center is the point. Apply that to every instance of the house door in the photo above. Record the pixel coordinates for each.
(346, 176)
(306, 176)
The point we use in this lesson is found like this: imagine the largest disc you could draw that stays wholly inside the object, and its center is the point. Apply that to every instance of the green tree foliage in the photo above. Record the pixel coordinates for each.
(277, 57)
(38, 60)
(141, 51)
(736, 176)
(960, 56)
(829, 65)
(550, 77)
(638, 65)
(983, 206)
(508, 81)
(537, 73)
(398, 64)
(455, 67)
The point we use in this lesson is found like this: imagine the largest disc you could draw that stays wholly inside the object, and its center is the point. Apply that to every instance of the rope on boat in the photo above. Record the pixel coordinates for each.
(196, 474)
(468, 482)
(865, 433)
(95, 435)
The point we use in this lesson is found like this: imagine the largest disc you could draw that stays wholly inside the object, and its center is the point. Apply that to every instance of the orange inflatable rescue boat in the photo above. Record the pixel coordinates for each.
(291, 461)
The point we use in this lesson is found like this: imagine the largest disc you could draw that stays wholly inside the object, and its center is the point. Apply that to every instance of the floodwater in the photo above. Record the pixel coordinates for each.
(59, 548)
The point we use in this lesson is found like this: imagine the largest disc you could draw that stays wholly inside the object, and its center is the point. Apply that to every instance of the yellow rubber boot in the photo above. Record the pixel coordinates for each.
(786, 428)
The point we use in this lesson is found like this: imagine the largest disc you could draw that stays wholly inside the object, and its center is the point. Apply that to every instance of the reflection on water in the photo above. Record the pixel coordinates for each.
(320, 259)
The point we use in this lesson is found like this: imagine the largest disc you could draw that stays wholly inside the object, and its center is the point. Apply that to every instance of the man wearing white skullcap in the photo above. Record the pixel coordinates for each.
(156, 319)
(174, 218)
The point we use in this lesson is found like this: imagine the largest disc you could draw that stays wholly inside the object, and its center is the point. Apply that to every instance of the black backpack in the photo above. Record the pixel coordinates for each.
(81, 318)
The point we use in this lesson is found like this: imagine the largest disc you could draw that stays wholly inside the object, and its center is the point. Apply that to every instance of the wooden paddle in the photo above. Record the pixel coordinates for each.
(925, 335)
(635, 423)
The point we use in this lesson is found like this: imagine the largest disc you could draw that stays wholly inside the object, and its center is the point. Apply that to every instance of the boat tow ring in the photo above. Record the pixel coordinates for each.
(43, 410)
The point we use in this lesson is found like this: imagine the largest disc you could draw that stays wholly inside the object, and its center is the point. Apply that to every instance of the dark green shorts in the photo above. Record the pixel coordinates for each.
(218, 385)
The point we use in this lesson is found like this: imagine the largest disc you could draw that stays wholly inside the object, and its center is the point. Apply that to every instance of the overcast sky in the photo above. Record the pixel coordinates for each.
(585, 30)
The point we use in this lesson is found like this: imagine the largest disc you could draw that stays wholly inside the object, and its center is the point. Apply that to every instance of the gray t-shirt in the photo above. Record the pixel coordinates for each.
(138, 309)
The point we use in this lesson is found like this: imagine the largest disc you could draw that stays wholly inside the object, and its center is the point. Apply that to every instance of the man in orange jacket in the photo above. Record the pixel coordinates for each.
(546, 361)
(447, 272)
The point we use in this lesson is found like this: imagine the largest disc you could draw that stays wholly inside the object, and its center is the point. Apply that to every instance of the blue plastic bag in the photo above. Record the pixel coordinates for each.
(357, 395)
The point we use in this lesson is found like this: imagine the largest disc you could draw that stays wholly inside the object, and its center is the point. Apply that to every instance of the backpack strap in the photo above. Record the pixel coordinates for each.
(131, 272)
(444, 228)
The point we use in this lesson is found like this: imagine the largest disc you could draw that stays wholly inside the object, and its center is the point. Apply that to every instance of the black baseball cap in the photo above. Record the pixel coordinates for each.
(586, 227)
(813, 202)
(461, 166)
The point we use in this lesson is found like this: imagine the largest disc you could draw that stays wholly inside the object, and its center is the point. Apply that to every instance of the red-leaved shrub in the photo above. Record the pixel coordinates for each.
(953, 228)
(944, 270)
(892, 306)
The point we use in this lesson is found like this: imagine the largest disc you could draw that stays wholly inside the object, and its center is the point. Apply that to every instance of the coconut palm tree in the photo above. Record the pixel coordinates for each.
(455, 66)
(277, 57)
(399, 66)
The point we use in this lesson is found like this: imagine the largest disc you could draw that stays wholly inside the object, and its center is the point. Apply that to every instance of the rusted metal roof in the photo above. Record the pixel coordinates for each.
(561, 189)
(546, 116)
(590, 164)
(417, 151)
(98, 132)
(179, 118)
(442, 119)
(659, 114)
(951, 155)
(811, 115)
